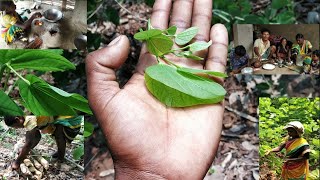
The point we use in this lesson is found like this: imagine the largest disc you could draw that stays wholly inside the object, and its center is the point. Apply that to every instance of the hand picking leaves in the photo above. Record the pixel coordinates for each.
(173, 85)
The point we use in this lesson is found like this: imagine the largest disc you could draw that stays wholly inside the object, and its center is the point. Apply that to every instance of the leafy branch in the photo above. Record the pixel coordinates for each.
(37, 95)
(173, 85)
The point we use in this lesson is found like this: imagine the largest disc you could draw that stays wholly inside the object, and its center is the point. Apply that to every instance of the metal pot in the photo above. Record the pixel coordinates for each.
(52, 15)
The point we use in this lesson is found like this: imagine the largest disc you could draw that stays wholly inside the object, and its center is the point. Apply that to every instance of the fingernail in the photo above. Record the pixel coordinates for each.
(113, 42)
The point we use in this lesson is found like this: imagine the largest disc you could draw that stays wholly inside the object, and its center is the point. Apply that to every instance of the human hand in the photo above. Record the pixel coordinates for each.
(36, 15)
(147, 139)
(267, 153)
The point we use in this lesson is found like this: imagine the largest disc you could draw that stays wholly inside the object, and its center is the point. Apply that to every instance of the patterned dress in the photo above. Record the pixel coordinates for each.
(296, 170)
(9, 31)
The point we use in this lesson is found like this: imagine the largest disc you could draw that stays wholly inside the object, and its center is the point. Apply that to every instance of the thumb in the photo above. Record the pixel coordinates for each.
(100, 68)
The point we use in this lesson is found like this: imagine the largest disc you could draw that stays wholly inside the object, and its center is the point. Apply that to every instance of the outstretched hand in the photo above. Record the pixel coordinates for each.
(147, 139)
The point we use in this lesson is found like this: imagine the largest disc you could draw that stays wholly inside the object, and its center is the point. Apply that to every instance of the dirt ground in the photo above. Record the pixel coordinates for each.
(72, 24)
(11, 139)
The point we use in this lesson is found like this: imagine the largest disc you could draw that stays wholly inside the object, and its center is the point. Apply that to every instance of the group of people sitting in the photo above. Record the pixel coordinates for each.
(283, 51)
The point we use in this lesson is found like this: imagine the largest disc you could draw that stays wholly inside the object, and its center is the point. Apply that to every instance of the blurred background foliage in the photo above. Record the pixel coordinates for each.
(274, 114)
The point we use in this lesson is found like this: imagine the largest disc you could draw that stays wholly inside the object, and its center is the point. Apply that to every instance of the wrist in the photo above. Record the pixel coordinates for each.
(153, 172)
(128, 173)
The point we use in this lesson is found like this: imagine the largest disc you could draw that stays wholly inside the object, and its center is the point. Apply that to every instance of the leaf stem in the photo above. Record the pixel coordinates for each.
(14, 71)
(170, 62)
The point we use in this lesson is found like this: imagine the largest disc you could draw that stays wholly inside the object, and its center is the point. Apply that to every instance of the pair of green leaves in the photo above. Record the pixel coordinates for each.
(38, 96)
(173, 85)
(43, 99)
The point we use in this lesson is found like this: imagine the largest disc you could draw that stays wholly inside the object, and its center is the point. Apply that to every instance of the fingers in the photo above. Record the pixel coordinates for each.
(181, 14)
(201, 18)
(217, 57)
(100, 67)
(160, 14)
(160, 17)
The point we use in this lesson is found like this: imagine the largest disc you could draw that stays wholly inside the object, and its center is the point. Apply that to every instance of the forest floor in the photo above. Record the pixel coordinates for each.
(12, 139)
(237, 156)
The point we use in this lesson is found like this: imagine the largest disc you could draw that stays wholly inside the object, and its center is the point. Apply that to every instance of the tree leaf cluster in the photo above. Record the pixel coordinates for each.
(37, 96)
(171, 84)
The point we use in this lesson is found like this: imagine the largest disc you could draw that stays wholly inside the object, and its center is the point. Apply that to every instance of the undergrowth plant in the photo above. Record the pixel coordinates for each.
(174, 85)
(37, 95)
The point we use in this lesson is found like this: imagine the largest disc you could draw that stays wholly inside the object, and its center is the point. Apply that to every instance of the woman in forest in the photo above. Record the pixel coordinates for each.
(296, 164)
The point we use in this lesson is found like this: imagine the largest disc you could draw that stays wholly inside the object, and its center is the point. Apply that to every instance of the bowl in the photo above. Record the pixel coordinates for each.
(53, 15)
(268, 66)
(247, 70)
(81, 42)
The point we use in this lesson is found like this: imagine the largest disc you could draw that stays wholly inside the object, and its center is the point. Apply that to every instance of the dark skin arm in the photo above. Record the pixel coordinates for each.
(61, 142)
(27, 24)
(277, 149)
(32, 139)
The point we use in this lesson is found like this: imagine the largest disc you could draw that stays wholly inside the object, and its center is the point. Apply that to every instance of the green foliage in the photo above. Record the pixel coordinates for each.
(88, 129)
(78, 152)
(171, 84)
(239, 12)
(7, 106)
(274, 114)
(177, 88)
(43, 99)
(37, 95)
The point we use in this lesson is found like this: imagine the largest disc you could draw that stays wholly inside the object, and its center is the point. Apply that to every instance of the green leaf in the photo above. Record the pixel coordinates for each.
(181, 89)
(198, 46)
(9, 107)
(43, 99)
(277, 4)
(145, 35)
(254, 19)
(159, 44)
(42, 60)
(88, 129)
(186, 36)
(188, 54)
(78, 152)
(201, 71)
(286, 17)
(172, 30)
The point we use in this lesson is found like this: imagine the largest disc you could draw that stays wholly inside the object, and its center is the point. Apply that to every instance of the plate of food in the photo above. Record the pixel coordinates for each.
(268, 66)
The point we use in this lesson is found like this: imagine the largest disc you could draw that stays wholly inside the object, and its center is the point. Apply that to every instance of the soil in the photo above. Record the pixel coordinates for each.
(8, 152)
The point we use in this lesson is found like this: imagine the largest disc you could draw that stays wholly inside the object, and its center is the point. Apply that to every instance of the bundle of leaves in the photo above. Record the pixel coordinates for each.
(37, 95)
(174, 85)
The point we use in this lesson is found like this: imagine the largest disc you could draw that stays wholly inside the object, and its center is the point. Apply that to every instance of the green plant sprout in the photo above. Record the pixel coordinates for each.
(37, 96)
(173, 85)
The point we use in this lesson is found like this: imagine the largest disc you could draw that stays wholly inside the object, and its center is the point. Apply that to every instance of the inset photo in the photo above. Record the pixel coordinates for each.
(38, 24)
(274, 49)
(41, 147)
(43, 82)
(289, 138)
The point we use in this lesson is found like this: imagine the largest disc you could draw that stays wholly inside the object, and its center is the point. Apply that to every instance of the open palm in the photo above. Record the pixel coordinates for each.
(146, 138)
